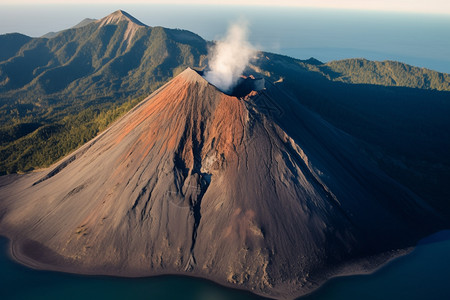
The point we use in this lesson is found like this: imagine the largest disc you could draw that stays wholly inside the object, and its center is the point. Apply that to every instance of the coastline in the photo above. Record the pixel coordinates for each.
(19, 257)
(358, 267)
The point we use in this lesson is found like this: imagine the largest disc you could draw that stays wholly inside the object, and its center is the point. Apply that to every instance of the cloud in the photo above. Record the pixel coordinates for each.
(228, 58)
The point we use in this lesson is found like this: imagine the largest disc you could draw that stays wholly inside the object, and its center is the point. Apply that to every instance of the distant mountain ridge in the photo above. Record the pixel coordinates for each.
(387, 73)
(114, 18)
(88, 59)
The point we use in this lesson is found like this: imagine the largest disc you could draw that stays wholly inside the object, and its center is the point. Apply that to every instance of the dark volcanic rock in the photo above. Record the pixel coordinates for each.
(256, 192)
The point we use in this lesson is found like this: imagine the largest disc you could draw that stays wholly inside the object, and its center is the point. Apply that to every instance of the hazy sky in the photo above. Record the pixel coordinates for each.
(418, 6)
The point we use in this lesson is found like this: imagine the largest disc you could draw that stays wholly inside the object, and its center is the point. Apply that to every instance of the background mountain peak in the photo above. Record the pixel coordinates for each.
(119, 16)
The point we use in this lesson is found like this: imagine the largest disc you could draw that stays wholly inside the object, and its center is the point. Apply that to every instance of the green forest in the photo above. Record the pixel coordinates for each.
(31, 143)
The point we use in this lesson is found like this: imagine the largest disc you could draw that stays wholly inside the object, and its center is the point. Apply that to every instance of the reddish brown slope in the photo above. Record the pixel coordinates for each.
(257, 193)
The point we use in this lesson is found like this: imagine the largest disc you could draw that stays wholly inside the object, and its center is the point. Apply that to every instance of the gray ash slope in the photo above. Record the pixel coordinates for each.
(255, 192)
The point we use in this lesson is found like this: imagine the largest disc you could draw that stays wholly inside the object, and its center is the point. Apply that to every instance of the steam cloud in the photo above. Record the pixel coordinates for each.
(228, 58)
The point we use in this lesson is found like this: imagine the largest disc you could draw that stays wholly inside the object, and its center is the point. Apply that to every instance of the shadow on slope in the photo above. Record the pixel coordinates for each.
(406, 130)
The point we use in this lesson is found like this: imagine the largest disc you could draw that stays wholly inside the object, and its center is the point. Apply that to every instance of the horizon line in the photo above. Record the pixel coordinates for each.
(441, 7)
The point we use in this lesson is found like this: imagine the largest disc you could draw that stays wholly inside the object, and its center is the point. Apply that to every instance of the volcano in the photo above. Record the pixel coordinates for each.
(253, 191)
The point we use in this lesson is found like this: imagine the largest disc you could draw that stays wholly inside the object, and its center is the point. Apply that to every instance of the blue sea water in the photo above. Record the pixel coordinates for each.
(416, 39)
(422, 274)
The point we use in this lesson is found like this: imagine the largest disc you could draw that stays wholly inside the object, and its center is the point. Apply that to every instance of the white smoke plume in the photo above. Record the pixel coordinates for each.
(228, 58)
